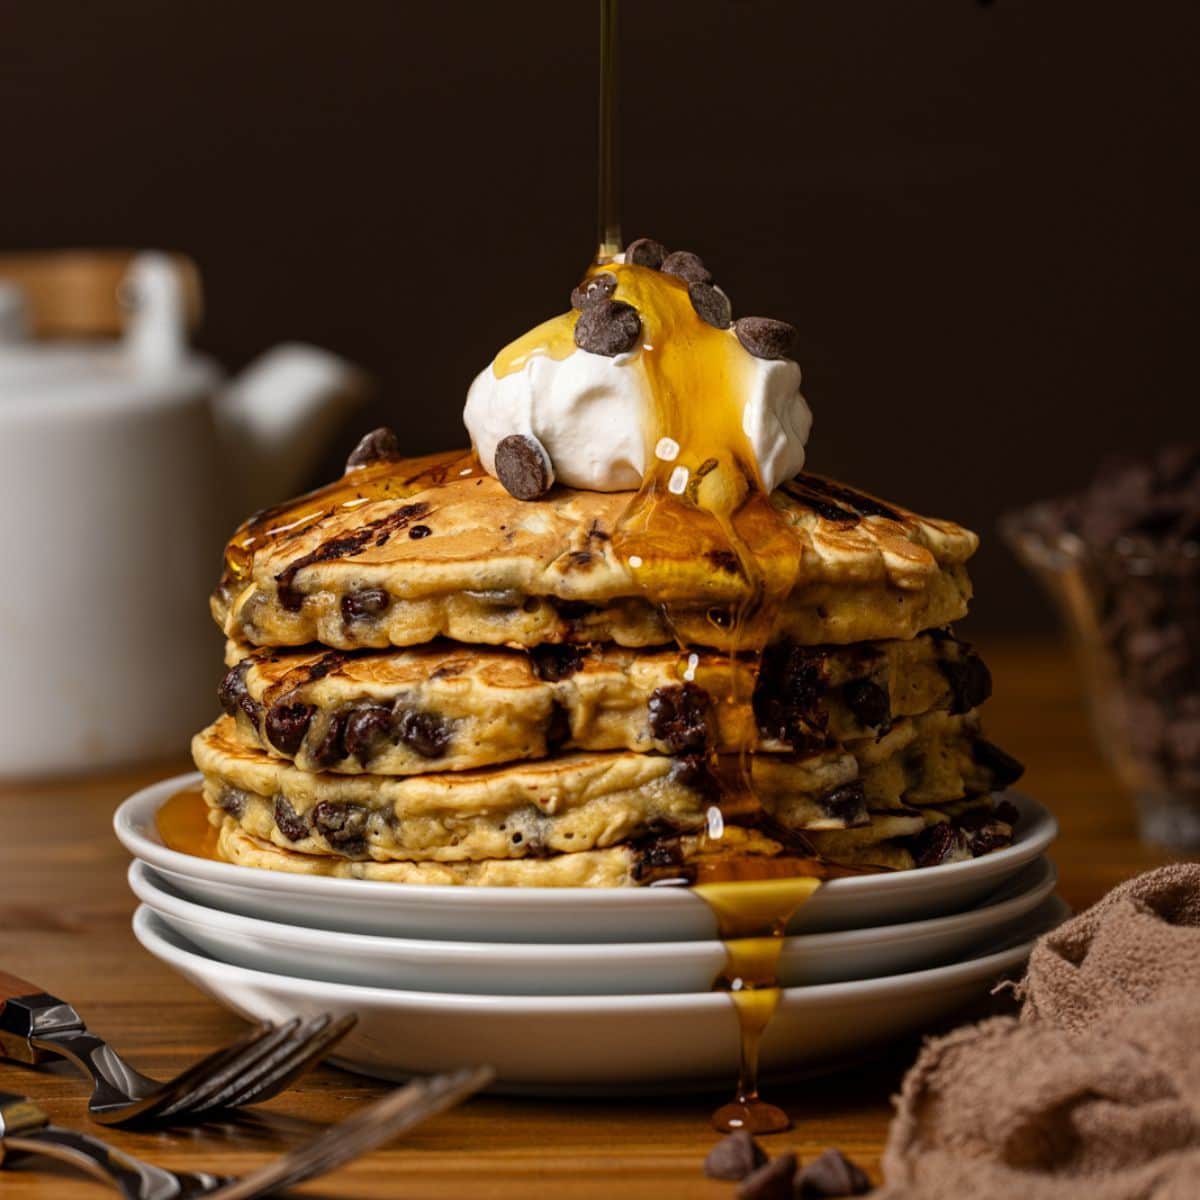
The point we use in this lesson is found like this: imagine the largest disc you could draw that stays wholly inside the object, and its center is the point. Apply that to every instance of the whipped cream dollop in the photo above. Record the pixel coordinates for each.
(594, 414)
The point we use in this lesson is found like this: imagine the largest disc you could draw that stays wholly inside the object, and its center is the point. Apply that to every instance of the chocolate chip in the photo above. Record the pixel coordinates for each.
(1005, 770)
(593, 289)
(870, 703)
(523, 466)
(646, 252)
(832, 1174)
(679, 718)
(989, 835)
(232, 801)
(419, 531)
(734, 1157)
(332, 747)
(365, 604)
(288, 821)
(934, 845)
(558, 727)
(343, 826)
(346, 545)
(847, 803)
(720, 618)
(772, 1181)
(711, 304)
(789, 698)
(765, 338)
(287, 724)
(694, 773)
(553, 663)
(575, 610)
(687, 266)
(724, 560)
(425, 732)
(380, 445)
(233, 695)
(608, 327)
(366, 727)
(1007, 812)
(969, 679)
(657, 858)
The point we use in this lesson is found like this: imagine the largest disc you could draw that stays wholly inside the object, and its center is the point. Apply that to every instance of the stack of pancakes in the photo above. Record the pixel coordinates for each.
(433, 682)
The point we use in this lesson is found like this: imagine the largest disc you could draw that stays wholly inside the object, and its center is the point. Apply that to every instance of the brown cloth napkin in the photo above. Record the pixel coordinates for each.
(1094, 1091)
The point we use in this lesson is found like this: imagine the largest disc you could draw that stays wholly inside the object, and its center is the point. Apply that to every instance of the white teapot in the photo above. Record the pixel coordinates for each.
(125, 463)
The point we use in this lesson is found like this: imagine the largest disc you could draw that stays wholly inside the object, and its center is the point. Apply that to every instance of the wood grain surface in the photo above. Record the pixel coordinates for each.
(64, 923)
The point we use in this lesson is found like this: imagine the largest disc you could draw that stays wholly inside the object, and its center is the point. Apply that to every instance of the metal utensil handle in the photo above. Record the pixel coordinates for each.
(134, 1179)
(28, 1014)
(367, 1129)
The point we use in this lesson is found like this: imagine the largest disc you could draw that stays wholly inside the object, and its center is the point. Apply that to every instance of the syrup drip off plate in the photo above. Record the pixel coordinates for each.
(580, 969)
(598, 1044)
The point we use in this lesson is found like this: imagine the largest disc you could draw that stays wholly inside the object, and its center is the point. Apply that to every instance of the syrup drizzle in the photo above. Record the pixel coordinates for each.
(702, 494)
(384, 480)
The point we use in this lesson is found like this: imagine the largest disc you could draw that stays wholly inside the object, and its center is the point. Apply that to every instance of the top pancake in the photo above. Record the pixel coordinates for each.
(400, 553)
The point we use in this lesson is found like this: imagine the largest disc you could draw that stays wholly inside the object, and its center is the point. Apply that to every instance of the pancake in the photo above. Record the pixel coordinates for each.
(401, 553)
(926, 839)
(618, 866)
(581, 801)
(451, 708)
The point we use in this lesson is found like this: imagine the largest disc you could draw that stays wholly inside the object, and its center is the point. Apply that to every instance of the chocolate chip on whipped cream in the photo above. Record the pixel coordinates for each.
(687, 266)
(608, 327)
(711, 304)
(646, 252)
(523, 466)
(764, 337)
(592, 289)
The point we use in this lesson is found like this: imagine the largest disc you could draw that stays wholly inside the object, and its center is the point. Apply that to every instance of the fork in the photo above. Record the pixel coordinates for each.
(36, 1027)
(25, 1129)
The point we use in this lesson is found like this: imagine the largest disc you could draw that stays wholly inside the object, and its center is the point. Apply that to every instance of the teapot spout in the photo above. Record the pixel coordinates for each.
(277, 415)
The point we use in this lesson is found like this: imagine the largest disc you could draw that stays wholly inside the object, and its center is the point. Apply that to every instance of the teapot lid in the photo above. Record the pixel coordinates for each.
(153, 299)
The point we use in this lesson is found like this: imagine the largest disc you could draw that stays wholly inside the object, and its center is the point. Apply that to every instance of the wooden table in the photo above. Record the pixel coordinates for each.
(64, 922)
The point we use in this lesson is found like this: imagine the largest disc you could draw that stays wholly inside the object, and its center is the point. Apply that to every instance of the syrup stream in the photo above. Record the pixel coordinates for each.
(609, 208)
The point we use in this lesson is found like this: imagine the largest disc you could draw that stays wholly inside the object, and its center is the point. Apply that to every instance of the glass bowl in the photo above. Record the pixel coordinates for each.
(1132, 610)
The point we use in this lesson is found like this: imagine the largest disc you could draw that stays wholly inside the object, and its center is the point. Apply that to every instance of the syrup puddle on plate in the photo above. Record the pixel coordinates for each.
(182, 823)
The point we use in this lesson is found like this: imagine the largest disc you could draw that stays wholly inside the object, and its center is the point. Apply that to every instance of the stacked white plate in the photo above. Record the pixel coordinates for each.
(584, 990)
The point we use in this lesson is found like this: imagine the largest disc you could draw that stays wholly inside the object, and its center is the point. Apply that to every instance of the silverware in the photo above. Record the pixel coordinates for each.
(25, 1129)
(35, 1027)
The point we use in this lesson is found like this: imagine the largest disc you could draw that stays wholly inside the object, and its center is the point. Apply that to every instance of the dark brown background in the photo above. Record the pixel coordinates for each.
(982, 219)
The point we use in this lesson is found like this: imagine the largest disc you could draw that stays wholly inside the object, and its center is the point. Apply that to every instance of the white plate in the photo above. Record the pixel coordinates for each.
(556, 914)
(588, 969)
(589, 1043)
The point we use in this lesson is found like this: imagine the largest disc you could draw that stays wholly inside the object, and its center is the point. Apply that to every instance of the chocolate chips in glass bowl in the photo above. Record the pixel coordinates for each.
(1122, 561)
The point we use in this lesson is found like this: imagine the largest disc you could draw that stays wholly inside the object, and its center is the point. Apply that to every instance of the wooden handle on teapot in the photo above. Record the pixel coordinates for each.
(75, 293)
